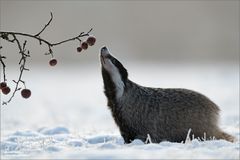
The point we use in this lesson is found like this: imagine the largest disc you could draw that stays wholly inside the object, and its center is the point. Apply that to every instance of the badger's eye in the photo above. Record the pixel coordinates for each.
(108, 56)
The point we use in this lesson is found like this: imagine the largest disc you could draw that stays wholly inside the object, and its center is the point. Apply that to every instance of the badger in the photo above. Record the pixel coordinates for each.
(163, 114)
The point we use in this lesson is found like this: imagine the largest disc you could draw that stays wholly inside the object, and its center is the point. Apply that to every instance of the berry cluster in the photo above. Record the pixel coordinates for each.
(26, 93)
(5, 89)
(89, 42)
(83, 46)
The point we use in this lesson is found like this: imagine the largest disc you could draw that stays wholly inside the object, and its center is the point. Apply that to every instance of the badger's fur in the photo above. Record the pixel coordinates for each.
(162, 114)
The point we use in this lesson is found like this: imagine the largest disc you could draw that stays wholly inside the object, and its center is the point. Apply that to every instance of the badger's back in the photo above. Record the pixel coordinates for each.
(167, 114)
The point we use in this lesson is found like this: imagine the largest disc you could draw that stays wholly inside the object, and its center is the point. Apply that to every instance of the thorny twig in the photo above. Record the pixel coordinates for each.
(12, 37)
(36, 35)
(22, 62)
(3, 65)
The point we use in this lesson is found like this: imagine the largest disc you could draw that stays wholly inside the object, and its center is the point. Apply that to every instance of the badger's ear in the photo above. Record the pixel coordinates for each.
(122, 70)
(124, 74)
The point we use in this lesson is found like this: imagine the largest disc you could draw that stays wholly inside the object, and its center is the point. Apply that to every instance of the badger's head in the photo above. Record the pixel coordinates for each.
(114, 75)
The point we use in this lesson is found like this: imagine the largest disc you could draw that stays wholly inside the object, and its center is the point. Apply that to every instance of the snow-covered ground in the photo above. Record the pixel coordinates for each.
(67, 117)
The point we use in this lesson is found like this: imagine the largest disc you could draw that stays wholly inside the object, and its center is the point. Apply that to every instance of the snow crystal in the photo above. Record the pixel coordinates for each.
(26, 133)
(75, 143)
(137, 142)
(52, 131)
(52, 149)
(108, 145)
(100, 139)
(8, 146)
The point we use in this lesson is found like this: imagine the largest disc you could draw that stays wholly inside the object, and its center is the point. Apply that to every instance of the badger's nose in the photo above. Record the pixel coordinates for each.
(104, 51)
(104, 48)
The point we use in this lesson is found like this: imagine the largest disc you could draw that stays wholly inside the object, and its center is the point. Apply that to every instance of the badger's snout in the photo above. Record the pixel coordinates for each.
(104, 51)
(104, 54)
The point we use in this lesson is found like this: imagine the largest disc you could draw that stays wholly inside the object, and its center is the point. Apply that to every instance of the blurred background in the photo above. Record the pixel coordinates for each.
(183, 44)
(150, 30)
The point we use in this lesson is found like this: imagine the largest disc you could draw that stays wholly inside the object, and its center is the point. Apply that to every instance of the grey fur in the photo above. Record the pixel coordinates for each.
(164, 114)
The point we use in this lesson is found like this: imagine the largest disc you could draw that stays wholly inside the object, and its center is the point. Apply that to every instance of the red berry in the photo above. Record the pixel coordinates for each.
(2, 85)
(84, 45)
(6, 90)
(26, 93)
(53, 62)
(79, 49)
(91, 40)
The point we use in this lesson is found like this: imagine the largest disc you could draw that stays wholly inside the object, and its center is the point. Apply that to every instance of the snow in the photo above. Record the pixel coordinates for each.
(109, 146)
(67, 116)
(56, 130)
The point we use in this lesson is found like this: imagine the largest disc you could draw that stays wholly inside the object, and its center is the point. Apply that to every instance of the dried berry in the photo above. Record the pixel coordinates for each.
(53, 62)
(79, 49)
(2, 85)
(91, 40)
(26, 93)
(84, 45)
(6, 90)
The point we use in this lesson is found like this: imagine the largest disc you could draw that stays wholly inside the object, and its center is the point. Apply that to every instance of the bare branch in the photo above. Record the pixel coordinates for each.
(49, 44)
(4, 67)
(13, 38)
(22, 68)
(74, 38)
(36, 35)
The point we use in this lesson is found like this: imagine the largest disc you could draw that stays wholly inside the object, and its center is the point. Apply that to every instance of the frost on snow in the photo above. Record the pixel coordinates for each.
(59, 142)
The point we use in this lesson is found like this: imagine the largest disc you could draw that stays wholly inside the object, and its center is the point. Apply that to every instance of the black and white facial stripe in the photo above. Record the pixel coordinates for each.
(114, 74)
